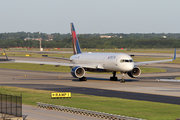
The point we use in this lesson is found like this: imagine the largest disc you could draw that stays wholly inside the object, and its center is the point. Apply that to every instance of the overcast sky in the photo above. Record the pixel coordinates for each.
(90, 16)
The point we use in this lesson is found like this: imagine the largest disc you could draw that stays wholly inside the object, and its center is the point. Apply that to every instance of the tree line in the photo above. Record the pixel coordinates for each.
(94, 43)
(117, 40)
(58, 36)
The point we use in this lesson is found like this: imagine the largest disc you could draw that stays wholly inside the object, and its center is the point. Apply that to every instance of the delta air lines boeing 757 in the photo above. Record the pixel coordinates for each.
(99, 62)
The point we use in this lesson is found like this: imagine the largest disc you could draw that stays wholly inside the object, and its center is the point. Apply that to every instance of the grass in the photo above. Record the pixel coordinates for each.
(35, 67)
(133, 108)
(52, 68)
(178, 78)
(23, 54)
(151, 70)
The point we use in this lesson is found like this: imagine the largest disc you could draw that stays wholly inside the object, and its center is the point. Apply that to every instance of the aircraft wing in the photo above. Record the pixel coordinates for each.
(60, 58)
(151, 62)
(93, 66)
(57, 58)
(59, 64)
(42, 63)
(157, 61)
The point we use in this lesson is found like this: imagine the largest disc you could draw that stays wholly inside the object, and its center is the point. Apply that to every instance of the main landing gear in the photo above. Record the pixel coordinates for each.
(114, 78)
(83, 79)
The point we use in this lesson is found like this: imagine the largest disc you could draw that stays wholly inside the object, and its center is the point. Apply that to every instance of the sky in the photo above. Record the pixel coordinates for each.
(90, 16)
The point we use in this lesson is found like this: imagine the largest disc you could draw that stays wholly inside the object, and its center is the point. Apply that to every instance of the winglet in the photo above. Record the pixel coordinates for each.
(174, 54)
(6, 55)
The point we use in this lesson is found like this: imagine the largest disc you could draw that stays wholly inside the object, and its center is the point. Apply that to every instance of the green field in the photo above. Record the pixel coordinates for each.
(177, 78)
(125, 107)
(131, 50)
(35, 67)
(32, 54)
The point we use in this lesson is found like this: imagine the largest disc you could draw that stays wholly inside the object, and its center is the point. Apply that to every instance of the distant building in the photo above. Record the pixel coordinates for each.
(28, 38)
(50, 37)
(105, 36)
(164, 37)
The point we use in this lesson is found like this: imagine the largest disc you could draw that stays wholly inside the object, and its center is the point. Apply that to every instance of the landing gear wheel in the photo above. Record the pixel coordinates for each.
(122, 81)
(113, 78)
(83, 79)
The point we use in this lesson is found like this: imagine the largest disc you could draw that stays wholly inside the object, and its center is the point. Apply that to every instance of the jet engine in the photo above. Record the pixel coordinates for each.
(135, 72)
(78, 72)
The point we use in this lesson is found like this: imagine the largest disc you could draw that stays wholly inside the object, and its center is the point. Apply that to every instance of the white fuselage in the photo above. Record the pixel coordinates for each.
(108, 61)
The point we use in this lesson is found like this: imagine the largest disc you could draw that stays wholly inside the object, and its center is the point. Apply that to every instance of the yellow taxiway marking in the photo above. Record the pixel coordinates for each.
(49, 115)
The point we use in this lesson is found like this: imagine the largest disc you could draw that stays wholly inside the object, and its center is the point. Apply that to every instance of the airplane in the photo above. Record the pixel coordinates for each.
(98, 62)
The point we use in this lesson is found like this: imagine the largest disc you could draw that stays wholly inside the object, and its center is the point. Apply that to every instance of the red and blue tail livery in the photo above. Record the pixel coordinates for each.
(76, 46)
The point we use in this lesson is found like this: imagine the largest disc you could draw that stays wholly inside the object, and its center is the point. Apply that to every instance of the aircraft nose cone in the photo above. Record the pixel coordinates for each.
(129, 67)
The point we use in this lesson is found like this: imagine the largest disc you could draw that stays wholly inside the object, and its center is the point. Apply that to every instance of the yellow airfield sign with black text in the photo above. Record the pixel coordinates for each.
(61, 95)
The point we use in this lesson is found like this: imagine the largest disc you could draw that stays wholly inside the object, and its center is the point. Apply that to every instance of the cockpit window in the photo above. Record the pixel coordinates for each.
(121, 61)
(130, 60)
(124, 60)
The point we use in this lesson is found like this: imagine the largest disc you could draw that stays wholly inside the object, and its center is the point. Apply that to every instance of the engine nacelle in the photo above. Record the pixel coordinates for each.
(135, 72)
(78, 72)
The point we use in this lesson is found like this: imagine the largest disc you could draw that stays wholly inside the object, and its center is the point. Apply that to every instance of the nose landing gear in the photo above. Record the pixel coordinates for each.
(122, 80)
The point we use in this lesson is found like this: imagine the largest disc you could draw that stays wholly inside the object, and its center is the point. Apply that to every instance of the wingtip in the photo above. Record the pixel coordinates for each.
(174, 54)
(6, 55)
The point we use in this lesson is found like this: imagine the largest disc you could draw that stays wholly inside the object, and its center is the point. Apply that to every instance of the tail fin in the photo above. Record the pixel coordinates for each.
(76, 46)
